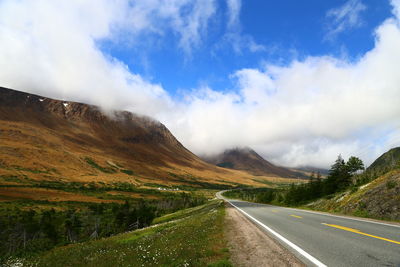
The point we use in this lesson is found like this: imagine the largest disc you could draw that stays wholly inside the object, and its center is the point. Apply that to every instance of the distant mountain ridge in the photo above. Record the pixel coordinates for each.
(310, 169)
(248, 160)
(48, 139)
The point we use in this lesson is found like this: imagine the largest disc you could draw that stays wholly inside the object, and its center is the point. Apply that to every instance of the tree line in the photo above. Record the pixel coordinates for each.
(342, 175)
(23, 232)
(339, 179)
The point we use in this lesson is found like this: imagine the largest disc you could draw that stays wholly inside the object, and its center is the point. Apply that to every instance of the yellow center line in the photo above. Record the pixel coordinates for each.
(274, 211)
(299, 217)
(360, 233)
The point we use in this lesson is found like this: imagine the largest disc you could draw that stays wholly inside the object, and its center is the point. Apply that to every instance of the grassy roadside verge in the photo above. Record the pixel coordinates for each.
(196, 239)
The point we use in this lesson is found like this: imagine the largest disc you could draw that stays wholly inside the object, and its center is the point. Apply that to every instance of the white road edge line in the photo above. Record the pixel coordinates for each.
(295, 247)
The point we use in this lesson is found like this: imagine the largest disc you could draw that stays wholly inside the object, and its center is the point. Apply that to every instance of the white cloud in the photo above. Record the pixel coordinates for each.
(51, 47)
(256, 87)
(254, 47)
(347, 16)
(192, 24)
(186, 18)
(304, 113)
(234, 7)
(396, 8)
(234, 35)
(308, 112)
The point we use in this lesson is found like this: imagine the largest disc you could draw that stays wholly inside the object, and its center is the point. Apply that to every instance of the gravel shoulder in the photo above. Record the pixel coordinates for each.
(250, 246)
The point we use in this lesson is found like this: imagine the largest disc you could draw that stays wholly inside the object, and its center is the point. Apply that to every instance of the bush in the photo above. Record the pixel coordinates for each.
(129, 172)
(391, 184)
(354, 189)
(92, 163)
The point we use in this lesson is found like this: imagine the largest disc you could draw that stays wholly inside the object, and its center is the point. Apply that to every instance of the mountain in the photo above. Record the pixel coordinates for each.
(386, 161)
(44, 139)
(248, 160)
(308, 170)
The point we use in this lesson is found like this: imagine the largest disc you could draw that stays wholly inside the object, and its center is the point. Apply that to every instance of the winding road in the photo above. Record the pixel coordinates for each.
(320, 239)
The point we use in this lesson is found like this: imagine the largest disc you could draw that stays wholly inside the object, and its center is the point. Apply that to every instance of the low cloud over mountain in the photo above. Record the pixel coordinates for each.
(301, 113)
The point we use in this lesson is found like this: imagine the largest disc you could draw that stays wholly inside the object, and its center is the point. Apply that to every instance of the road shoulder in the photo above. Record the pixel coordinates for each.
(250, 246)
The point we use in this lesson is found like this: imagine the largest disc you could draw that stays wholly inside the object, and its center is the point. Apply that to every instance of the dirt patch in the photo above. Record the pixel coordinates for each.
(15, 193)
(250, 246)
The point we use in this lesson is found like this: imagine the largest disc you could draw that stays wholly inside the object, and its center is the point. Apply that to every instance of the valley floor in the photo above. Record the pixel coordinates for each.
(214, 234)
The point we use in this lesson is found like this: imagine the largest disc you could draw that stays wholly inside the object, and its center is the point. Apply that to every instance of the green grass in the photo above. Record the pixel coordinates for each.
(14, 178)
(362, 213)
(190, 182)
(196, 240)
(272, 184)
(228, 165)
(183, 213)
(391, 184)
(99, 190)
(92, 163)
(129, 172)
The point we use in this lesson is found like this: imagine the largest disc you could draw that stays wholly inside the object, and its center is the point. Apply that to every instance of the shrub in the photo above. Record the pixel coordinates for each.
(92, 163)
(391, 184)
(129, 172)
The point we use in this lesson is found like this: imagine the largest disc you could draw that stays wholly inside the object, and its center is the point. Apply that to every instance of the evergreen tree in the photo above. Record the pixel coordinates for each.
(338, 177)
(48, 225)
(354, 165)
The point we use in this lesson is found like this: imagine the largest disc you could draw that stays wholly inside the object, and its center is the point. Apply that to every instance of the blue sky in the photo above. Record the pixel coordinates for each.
(298, 81)
(287, 29)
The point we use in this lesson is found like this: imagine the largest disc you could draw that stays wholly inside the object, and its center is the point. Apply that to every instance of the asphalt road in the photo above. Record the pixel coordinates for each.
(327, 240)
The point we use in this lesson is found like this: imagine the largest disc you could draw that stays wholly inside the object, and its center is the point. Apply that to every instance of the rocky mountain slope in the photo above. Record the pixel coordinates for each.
(47, 139)
(386, 161)
(380, 198)
(248, 160)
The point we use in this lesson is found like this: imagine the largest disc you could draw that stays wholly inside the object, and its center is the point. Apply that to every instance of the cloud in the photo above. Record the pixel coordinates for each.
(193, 23)
(302, 113)
(188, 19)
(307, 112)
(234, 7)
(396, 8)
(52, 47)
(234, 35)
(345, 17)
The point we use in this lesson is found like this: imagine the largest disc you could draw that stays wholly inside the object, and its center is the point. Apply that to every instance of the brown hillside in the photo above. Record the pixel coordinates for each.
(47, 139)
(248, 160)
